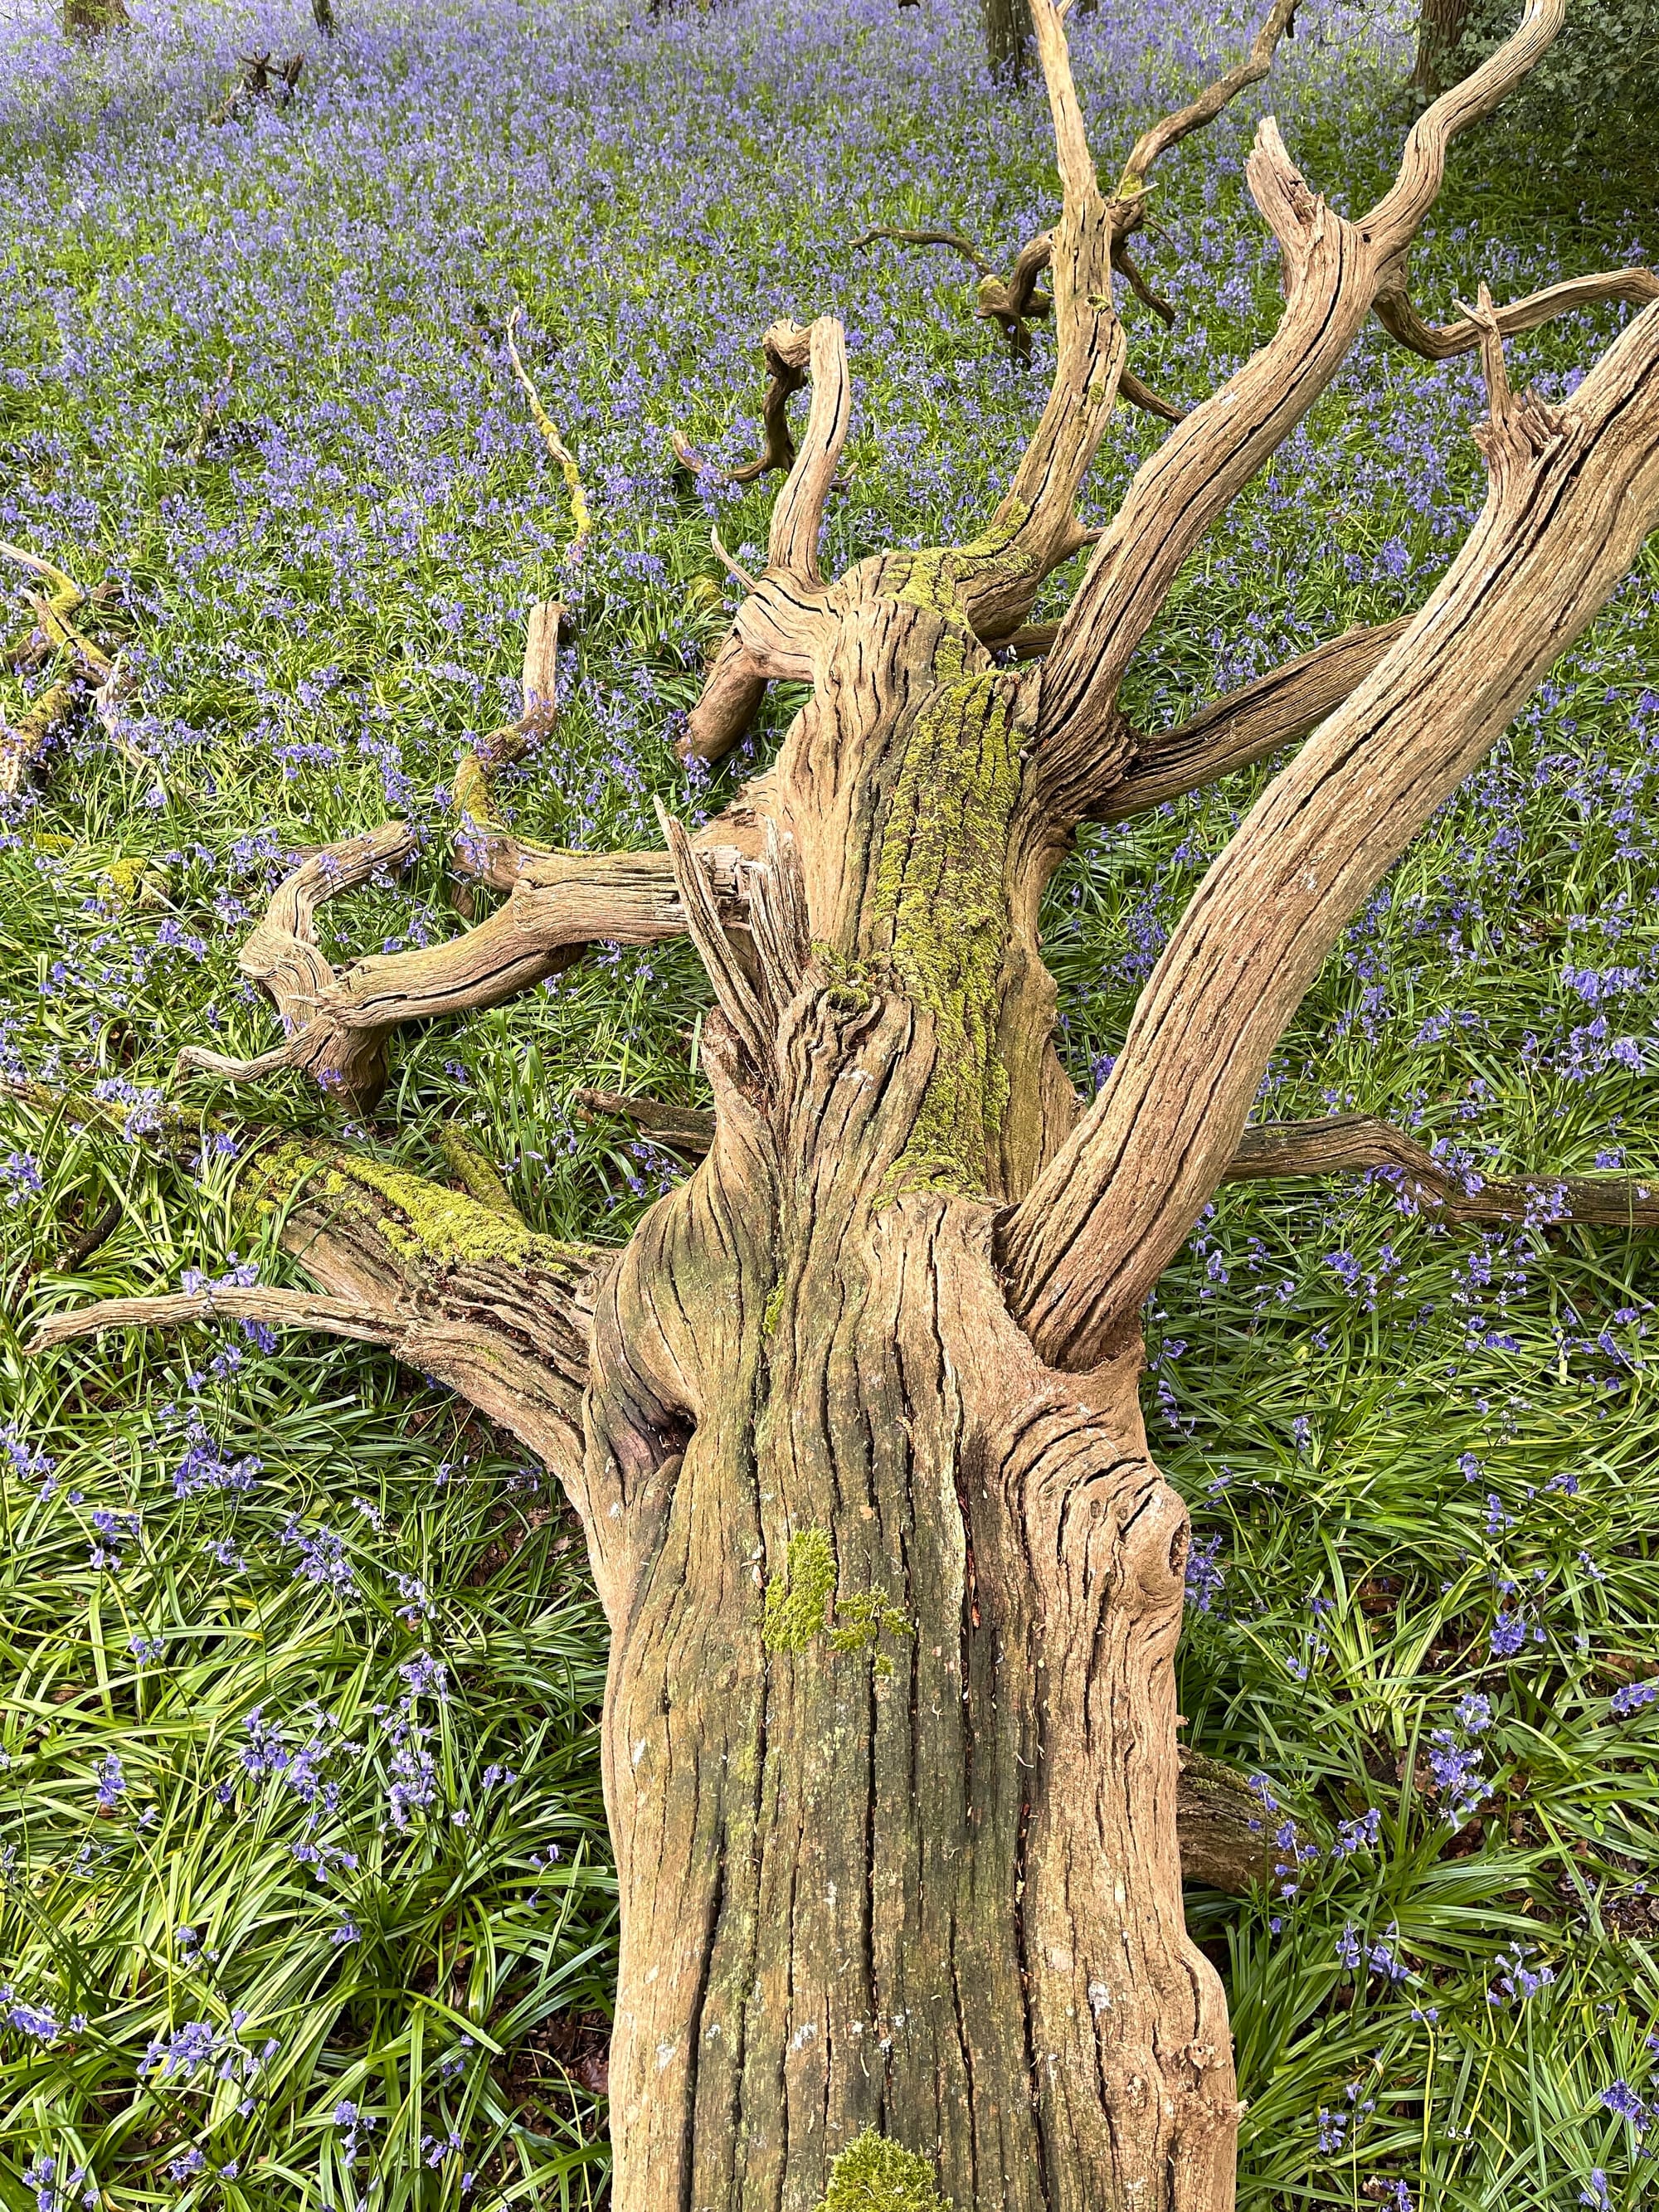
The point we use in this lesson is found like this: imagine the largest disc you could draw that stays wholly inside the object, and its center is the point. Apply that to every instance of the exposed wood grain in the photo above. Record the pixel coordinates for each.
(1573, 492)
(852, 1420)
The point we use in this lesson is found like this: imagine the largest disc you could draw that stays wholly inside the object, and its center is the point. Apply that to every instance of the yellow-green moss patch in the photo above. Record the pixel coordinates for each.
(873, 2174)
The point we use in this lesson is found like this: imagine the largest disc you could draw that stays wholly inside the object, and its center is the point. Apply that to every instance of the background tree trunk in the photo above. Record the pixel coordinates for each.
(89, 18)
(1008, 39)
(1440, 25)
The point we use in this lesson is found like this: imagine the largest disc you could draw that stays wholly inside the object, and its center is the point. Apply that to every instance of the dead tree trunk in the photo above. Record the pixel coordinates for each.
(89, 19)
(893, 1582)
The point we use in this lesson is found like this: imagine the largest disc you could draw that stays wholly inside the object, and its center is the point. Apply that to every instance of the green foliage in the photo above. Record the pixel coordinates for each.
(798, 1599)
(874, 2175)
(1593, 96)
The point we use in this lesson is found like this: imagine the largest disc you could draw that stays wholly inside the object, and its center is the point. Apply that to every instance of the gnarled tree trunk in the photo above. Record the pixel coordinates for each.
(894, 1585)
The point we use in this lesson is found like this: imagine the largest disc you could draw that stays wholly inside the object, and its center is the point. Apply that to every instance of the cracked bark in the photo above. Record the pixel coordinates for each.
(853, 1421)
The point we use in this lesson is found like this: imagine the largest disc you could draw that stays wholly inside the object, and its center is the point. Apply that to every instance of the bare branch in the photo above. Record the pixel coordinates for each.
(733, 689)
(1037, 516)
(1150, 402)
(1246, 725)
(786, 374)
(1398, 216)
(950, 238)
(206, 1309)
(733, 992)
(339, 1025)
(733, 568)
(550, 438)
(1347, 1143)
(1442, 341)
(1137, 284)
(1334, 270)
(687, 1129)
(67, 594)
(776, 627)
(1152, 144)
(798, 511)
(453, 1287)
(484, 849)
(1573, 493)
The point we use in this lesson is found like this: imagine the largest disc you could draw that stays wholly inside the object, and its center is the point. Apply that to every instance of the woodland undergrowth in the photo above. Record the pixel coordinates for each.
(306, 1896)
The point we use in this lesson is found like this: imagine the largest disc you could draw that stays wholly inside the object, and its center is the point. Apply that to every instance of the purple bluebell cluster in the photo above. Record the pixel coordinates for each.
(1421, 1596)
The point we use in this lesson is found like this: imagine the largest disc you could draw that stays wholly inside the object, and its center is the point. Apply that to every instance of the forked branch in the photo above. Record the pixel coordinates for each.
(1573, 493)
(1637, 288)
(337, 1025)
(1335, 271)
(782, 618)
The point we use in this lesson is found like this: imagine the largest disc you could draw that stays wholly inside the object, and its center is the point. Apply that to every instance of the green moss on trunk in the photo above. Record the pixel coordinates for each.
(940, 901)
(874, 2175)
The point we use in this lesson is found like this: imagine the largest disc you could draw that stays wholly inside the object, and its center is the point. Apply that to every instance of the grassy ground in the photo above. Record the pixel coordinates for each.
(306, 1897)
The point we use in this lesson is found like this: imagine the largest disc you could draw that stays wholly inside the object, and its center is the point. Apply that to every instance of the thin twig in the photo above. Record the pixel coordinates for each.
(555, 444)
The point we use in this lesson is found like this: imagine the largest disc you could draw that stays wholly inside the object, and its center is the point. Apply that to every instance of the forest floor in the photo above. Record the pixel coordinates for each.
(306, 1894)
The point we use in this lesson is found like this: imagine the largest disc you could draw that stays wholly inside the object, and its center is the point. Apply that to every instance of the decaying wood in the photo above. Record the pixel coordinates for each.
(565, 459)
(264, 84)
(1573, 492)
(1358, 1143)
(852, 1420)
(338, 1025)
(53, 636)
(1245, 726)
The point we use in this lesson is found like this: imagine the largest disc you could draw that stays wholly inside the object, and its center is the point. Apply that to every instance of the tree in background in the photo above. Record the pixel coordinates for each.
(1597, 90)
(87, 19)
(1008, 37)
(852, 1422)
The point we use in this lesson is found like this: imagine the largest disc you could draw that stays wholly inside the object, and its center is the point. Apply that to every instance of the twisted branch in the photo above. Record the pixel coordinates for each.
(1573, 494)
(1335, 271)
(1442, 341)
(1349, 1143)
(24, 744)
(550, 438)
(1154, 143)
(338, 1026)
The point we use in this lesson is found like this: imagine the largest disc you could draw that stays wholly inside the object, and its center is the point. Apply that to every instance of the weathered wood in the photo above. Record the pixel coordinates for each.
(852, 1420)
(1349, 1144)
(1573, 493)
